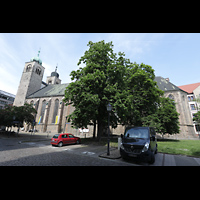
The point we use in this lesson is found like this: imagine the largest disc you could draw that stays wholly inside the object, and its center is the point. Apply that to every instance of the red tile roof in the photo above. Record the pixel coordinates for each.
(189, 88)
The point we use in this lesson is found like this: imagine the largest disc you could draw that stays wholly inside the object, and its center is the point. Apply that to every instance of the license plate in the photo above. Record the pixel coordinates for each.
(132, 155)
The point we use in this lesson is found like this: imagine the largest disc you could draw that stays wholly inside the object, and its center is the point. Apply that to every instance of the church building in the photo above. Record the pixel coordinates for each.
(47, 99)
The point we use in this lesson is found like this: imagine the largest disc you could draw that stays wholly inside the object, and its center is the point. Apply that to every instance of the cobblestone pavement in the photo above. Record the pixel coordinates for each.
(14, 152)
(39, 152)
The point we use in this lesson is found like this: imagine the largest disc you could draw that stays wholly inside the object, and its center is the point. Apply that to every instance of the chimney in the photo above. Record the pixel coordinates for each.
(167, 79)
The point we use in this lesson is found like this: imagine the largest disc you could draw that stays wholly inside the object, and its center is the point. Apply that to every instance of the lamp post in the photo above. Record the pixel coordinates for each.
(109, 108)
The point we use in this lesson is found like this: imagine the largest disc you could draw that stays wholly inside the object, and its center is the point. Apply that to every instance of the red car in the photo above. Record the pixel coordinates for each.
(64, 138)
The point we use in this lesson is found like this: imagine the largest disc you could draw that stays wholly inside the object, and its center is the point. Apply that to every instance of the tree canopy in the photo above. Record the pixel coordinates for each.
(111, 78)
(165, 119)
(21, 114)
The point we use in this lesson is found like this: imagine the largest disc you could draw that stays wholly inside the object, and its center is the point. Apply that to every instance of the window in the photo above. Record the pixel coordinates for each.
(152, 131)
(43, 110)
(139, 132)
(197, 128)
(64, 136)
(55, 111)
(192, 106)
(56, 136)
(28, 68)
(171, 96)
(70, 136)
(190, 98)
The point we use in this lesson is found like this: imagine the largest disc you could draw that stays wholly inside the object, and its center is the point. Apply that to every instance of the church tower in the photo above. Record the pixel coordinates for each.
(31, 80)
(54, 78)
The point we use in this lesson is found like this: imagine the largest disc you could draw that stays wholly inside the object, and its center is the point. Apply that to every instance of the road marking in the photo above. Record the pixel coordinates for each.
(88, 153)
(30, 143)
(67, 149)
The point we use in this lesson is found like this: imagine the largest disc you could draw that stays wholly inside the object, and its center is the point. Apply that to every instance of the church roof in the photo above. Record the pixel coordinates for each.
(165, 85)
(49, 91)
(189, 88)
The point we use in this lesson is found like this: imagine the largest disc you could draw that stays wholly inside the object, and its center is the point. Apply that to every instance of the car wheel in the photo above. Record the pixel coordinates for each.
(77, 142)
(152, 158)
(60, 144)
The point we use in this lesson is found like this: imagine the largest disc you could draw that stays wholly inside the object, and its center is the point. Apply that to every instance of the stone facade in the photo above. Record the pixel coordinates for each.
(30, 82)
(185, 120)
(52, 112)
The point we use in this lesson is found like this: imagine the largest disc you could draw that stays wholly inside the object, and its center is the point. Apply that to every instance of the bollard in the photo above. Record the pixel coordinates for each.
(119, 142)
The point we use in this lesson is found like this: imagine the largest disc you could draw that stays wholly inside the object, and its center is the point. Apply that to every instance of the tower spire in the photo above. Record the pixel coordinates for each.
(37, 59)
(56, 67)
(39, 52)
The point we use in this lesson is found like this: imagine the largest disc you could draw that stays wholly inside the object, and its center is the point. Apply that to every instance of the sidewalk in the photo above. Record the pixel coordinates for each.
(114, 154)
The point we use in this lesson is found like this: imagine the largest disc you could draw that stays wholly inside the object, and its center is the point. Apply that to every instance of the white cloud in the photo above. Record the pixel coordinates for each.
(134, 44)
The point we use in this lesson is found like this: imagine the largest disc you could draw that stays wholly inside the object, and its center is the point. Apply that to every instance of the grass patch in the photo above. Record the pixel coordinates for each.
(183, 147)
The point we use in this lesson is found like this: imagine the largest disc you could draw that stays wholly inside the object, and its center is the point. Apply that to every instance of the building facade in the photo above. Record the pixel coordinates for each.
(6, 99)
(193, 94)
(47, 99)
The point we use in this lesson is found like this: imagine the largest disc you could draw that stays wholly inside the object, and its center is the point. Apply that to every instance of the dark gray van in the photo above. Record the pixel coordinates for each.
(139, 142)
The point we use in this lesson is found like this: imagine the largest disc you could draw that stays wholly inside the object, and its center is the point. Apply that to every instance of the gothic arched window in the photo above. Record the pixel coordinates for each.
(43, 110)
(171, 96)
(55, 111)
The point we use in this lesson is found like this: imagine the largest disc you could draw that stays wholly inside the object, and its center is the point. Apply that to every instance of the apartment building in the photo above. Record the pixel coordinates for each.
(193, 91)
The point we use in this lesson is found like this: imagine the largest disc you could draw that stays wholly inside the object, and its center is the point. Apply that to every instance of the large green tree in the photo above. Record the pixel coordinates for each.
(109, 77)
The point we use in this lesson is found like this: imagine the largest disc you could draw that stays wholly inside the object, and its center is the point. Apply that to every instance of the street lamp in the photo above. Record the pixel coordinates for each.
(109, 109)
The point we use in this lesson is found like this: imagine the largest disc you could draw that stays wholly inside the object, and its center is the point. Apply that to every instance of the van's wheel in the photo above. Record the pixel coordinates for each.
(60, 144)
(152, 158)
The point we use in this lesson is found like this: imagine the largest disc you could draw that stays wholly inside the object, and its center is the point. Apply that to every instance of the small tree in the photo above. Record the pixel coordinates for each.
(14, 113)
(165, 119)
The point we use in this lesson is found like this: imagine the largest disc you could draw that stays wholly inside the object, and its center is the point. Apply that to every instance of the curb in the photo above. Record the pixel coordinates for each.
(114, 154)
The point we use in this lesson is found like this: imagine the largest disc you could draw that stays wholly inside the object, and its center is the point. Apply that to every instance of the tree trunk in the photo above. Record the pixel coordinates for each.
(94, 129)
(100, 129)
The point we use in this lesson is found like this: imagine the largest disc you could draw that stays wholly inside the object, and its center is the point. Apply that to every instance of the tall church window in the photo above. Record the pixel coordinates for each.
(55, 117)
(171, 96)
(42, 111)
(36, 105)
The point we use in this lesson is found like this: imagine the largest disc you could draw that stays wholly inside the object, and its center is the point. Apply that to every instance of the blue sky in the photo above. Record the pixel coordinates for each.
(173, 55)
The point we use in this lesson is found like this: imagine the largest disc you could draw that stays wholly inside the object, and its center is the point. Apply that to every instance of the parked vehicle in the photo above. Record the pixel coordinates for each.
(140, 143)
(64, 138)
